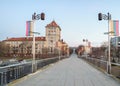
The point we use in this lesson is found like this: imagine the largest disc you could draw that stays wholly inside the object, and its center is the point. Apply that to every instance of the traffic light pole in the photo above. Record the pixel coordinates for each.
(33, 51)
(107, 17)
(34, 18)
(109, 57)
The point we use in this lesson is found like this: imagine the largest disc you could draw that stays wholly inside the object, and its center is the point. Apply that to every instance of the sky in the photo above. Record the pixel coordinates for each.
(78, 19)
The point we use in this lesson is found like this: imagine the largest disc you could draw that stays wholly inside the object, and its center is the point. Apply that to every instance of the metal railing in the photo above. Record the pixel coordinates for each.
(15, 71)
(115, 68)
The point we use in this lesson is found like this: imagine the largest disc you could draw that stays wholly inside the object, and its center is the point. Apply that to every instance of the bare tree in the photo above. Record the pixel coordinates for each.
(4, 49)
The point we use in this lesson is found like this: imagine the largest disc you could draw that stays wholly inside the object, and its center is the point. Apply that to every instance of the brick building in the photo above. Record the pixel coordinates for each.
(51, 43)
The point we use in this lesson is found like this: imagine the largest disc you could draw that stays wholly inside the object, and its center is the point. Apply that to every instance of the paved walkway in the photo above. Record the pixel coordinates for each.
(68, 72)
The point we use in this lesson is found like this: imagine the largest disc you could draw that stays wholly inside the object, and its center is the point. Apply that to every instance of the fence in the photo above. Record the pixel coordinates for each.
(115, 67)
(15, 71)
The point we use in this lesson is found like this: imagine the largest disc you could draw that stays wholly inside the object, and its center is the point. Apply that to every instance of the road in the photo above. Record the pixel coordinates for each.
(68, 72)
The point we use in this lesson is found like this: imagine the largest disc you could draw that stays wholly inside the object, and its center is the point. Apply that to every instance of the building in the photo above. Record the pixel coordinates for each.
(23, 45)
(51, 43)
(115, 41)
(53, 35)
(62, 47)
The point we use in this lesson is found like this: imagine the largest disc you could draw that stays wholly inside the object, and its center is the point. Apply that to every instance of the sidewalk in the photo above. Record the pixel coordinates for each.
(68, 72)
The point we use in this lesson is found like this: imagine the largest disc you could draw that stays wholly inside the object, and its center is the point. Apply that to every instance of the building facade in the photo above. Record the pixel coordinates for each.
(51, 43)
(115, 41)
(22, 46)
(53, 35)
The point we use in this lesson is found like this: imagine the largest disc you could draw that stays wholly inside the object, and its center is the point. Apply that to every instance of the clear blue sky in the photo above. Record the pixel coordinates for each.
(78, 19)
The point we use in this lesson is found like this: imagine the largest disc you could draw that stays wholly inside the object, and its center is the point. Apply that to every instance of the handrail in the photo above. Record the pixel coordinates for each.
(14, 71)
(117, 64)
(13, 65)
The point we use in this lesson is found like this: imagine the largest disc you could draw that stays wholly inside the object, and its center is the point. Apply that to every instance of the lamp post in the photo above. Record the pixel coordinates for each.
(107, 17)
(86, 41)
(67, 51)
(59, 53)
(35, 17)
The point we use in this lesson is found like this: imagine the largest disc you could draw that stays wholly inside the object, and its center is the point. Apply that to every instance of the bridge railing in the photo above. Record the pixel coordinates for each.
(115, 67)
(16, 71)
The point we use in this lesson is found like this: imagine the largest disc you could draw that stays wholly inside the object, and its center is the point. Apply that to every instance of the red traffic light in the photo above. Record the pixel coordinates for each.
(42, 16)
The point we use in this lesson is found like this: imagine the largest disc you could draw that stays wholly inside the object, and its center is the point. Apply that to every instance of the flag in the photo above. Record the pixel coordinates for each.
(29, 28)
(114, 27)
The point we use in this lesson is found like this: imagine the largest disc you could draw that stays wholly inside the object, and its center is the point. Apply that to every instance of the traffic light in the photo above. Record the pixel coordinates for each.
(83, 40)
(100, 16)
(42, 16)
(34, 16)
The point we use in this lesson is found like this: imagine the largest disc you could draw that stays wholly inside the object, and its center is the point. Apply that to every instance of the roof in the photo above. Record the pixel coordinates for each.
(53, 24)
(26, 39)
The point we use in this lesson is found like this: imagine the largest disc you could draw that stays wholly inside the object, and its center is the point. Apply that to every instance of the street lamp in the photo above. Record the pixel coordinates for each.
(59, 53)
(35, 17)
(67, 51)
(86, 41)
(107, 17)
